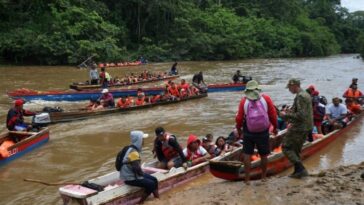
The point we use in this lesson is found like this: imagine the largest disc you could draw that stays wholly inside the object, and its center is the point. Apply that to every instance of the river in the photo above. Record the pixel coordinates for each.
(81, 150)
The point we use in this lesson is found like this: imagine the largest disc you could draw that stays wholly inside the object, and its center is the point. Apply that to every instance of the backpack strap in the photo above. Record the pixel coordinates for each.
(261, 99)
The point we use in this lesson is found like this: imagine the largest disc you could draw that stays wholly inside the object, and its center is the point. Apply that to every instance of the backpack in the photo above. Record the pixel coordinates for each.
(119, 158)
(256, 115)
(323, 100)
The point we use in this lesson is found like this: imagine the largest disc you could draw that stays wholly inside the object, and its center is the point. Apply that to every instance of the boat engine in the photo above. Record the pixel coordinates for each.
(41, 120)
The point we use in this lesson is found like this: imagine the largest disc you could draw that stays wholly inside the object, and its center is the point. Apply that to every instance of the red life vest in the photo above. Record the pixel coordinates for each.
(194, 155)
(123, 104)
(168, 151)
(140, 101)
(174, 91)
(352, 94)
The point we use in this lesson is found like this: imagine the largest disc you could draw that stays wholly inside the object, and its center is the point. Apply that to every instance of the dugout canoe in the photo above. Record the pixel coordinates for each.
(116, 192)
(229, 168)
(31, 95)
(28, 141)
(67, 116)
(83, 86)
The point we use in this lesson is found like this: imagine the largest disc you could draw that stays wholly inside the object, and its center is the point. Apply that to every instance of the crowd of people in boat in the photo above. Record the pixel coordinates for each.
(173, 91)
(256, 119)
(105, 79)
(140, 61)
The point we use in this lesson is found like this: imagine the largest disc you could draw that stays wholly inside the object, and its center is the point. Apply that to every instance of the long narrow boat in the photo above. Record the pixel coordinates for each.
(229, 168)
(31, 95)
(83, 86)
(116, 192)
(56, 117)
(27, 142)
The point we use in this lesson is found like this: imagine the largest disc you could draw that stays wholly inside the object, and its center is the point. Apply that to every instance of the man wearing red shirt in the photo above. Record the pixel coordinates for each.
(255, 115)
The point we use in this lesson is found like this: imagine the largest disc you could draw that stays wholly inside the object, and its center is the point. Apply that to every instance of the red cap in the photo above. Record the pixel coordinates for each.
(311, 87)
(315, 93)
(19, 102)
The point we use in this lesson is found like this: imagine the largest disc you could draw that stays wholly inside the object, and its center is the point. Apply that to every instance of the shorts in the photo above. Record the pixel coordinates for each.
(317, 123)
(259, 141)
(177, 161)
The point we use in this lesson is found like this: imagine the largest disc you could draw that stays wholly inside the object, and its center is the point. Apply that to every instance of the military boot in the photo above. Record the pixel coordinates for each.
(300, 171)
(295, 170)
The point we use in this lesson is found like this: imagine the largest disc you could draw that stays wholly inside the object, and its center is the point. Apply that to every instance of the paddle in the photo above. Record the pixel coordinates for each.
(48, 183)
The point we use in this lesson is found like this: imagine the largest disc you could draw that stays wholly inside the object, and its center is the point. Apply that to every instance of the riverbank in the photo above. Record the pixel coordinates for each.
(341, 185)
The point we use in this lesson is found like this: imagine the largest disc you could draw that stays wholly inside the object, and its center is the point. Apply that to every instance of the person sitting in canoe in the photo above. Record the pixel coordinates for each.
(354, 94)
(173, 90)
(123, 102)
(238, 78)
(167, 150)
(352, 106)
(140, 100)
(221, 146)
(336, 115)
(140, 92)
(194, 152)
(194, 90)
(208, 145)
(15, 117)
(318, 113)
(128, 162)
(155, 99)
(107, 99)
(186, 88)
(234, 139)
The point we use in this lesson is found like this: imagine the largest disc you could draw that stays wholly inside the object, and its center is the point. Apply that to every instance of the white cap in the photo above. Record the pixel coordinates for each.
(105, 91)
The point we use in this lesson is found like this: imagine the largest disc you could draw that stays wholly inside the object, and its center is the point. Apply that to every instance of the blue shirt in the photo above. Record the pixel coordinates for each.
(94, 74)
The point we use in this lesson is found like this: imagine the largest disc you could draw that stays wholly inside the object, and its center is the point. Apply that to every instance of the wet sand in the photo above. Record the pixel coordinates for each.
(341, 185)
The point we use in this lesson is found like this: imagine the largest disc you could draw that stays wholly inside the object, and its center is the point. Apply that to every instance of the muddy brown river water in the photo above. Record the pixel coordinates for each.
(81, 150)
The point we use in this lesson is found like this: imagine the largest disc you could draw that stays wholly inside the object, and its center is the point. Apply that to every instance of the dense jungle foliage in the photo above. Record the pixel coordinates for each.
(53, 32)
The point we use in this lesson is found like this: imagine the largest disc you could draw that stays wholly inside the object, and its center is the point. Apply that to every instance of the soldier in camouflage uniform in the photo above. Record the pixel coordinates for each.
(301, 119)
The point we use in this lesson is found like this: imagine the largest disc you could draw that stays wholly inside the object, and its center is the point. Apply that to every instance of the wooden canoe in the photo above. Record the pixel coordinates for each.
(67, 116)
(72, 95)
(116, 192)
(229, 168)
(27, 142)
(83, 86)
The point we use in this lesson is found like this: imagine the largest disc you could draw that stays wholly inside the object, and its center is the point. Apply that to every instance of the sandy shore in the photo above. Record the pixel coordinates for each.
(342, 185)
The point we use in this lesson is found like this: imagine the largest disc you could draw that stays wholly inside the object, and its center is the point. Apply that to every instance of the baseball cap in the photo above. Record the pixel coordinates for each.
(105, 91)
(293, 81)
(159, 131)
(19, 102)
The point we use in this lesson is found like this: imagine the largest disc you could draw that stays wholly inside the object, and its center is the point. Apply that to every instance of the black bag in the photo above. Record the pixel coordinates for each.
(52, 109)
(119, 158)
(93, 186)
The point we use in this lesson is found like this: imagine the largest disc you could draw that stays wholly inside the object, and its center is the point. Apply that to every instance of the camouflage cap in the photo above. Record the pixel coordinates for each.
(293, 81)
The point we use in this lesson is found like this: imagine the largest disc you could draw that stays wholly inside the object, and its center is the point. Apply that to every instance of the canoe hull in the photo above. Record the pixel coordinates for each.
(94, 94)
(28, 145)
(57, 117)
(127, 194)
(276, 162)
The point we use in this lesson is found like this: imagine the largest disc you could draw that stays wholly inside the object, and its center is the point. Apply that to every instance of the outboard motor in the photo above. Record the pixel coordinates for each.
(41, 120)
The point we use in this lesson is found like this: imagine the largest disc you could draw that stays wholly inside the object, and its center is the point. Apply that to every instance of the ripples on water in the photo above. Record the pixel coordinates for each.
(84, 149)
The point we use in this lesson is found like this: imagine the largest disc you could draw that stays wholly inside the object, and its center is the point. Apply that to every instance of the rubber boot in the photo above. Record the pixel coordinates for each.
(295, 170)
(301, 171)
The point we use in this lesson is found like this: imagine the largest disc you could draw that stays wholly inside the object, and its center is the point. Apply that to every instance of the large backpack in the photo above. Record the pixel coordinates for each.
(256, 115)
(119, 158)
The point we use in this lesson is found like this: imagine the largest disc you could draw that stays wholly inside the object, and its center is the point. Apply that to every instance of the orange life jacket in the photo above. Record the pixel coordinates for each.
(174, 91)
(123, 104)
(139, 101)
(352, 94)
(168, 151)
